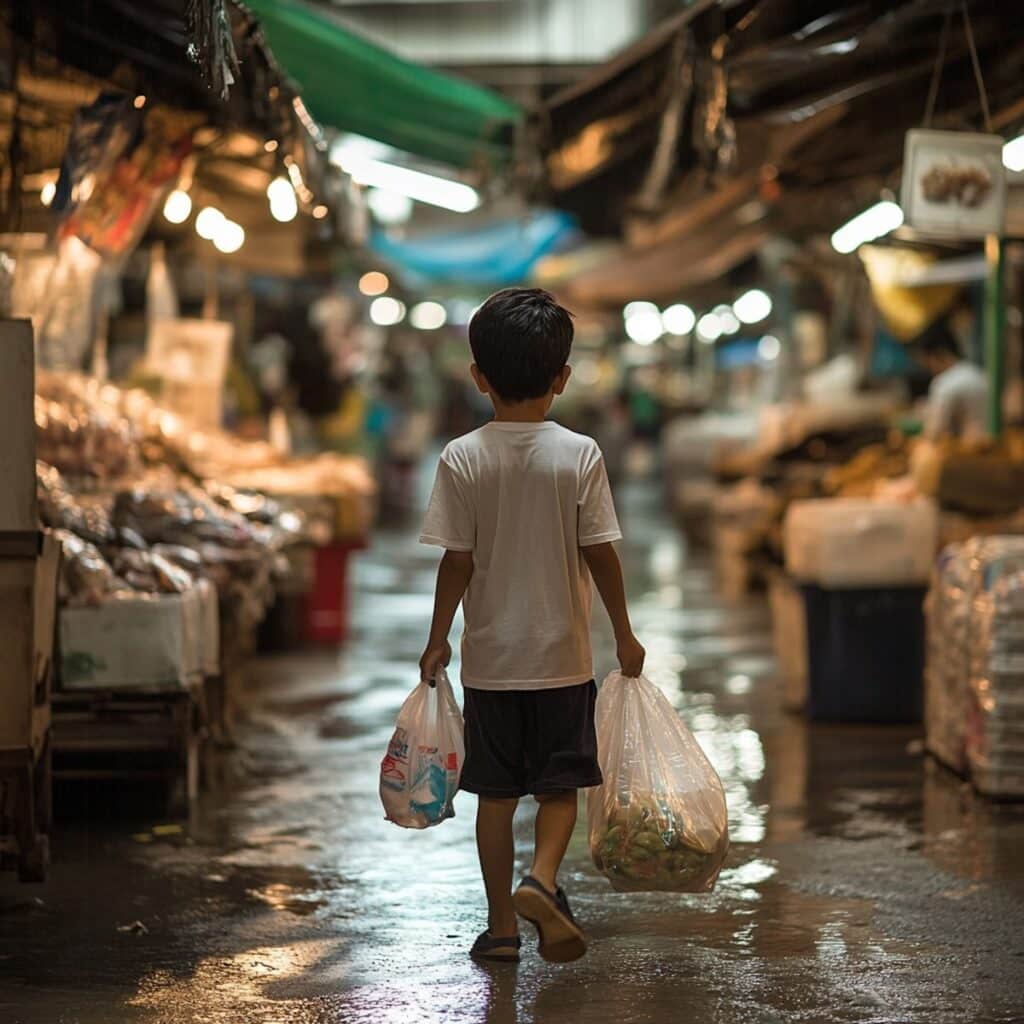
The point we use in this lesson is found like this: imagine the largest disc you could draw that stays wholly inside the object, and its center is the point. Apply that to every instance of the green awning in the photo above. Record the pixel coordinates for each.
(356, 86)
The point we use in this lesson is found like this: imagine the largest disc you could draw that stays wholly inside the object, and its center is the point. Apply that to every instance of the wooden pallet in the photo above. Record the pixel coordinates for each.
(133, 736)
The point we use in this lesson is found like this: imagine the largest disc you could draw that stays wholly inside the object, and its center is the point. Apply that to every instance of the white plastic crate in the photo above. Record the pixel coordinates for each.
(858, 542)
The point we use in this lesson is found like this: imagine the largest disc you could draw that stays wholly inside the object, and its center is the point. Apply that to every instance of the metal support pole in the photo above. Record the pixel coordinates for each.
(995, 332)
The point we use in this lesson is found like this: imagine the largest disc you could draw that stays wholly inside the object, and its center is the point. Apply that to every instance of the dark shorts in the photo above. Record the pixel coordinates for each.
(530, 741)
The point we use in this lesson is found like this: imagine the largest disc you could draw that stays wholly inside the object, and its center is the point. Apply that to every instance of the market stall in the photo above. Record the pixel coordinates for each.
(172, 553)
(174, 536)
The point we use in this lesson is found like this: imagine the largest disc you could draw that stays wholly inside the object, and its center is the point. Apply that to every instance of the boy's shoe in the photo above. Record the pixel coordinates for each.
(501, 950)
(561, 938)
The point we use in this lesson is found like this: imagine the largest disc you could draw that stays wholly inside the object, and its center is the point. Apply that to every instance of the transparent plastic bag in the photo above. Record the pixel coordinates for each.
(658, 823)
(419, 775)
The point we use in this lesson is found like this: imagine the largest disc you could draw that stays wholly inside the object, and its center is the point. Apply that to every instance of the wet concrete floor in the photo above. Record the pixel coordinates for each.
(862, 885)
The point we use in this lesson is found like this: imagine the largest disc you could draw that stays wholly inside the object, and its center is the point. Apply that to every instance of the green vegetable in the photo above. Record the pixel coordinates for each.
(644, 845)
(649, 841)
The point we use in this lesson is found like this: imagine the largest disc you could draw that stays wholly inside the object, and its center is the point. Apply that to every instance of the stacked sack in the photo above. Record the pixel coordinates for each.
(946, 669)
(975, 672)
(995, 699)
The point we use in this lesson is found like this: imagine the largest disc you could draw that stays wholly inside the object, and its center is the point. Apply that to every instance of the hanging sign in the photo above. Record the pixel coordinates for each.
(954, 184)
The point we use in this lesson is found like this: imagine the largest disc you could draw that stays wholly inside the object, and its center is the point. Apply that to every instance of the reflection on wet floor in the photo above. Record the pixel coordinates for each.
(862, 885)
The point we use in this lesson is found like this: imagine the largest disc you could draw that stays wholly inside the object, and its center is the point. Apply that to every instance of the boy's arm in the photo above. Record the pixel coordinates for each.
(604, 566)
(453, 576)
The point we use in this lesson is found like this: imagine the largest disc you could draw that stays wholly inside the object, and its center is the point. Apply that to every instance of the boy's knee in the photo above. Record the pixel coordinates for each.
(569, 796)
(499, 803)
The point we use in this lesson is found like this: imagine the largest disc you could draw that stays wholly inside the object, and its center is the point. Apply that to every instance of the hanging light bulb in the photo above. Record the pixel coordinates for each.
(678, 319)
(387, 311)
(753, 306)
(177, 206)
(47, 192)
(632, 308)
(229, 236)
(709, 327)
(428, 316)
(208, 220)
(283, 204)
(644, 326)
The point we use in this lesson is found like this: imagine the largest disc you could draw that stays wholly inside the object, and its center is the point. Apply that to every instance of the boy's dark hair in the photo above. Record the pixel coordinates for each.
(938, 340)
(521, 339)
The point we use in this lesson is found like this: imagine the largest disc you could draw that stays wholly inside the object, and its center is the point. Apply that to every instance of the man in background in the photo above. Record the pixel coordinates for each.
(958, 396)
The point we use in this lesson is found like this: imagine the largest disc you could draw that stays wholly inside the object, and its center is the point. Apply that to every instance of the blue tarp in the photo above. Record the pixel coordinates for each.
(501, 253)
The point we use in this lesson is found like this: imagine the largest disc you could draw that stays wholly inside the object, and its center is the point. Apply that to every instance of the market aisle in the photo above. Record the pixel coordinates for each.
(860, 887)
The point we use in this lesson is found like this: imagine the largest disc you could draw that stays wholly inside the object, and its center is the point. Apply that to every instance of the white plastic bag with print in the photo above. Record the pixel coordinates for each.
(419, 775)
(659, 820)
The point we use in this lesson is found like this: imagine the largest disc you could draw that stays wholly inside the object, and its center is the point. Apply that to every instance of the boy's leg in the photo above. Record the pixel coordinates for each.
(556, 818)
(496, 846)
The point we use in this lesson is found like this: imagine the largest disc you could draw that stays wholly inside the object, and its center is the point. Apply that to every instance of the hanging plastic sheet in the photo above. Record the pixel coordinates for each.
(500, 253)
(354, 85)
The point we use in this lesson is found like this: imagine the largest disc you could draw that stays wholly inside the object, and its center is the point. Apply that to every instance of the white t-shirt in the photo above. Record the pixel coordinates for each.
(524, 498)
(958, 403)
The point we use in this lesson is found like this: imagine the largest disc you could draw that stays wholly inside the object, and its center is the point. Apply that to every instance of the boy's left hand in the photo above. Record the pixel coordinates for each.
(433, 659)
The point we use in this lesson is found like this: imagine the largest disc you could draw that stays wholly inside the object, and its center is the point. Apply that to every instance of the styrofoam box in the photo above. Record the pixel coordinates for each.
(209, 628)
(151, 643)
(858, 542)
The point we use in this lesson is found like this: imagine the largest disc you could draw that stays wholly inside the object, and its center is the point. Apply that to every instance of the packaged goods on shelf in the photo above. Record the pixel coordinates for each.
(86, 577)
(850, 542)
(100, 432)
(79, 432)
(149, 507)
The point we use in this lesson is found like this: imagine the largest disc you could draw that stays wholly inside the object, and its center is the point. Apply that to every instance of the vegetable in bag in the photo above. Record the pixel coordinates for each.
(659, 820)
(419, 775)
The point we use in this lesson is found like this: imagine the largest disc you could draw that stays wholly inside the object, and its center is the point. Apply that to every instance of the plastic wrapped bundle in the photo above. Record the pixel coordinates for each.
(658, 822)
(79, 432)
(61, 509)
(946, 668)
(86, 577)
(995, 698)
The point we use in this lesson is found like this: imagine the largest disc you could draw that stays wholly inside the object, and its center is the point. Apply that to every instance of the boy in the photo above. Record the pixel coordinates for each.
(523, 508)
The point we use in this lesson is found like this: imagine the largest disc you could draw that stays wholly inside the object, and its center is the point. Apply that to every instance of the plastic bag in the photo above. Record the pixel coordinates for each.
(419, 775)
(658, 823)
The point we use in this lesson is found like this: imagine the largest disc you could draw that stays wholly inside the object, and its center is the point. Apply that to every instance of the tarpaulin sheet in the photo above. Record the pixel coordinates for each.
(503, 252)
(353, 85)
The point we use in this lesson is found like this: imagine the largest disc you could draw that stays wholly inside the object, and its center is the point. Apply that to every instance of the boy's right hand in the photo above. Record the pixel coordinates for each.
(631, 657)
(434, 658)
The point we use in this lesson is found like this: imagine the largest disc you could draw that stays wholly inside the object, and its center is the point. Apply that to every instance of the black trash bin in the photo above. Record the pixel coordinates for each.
(865, 653)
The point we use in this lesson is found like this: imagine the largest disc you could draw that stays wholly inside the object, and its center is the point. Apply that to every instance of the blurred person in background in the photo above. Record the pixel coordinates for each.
(613, 431)
(958, 395)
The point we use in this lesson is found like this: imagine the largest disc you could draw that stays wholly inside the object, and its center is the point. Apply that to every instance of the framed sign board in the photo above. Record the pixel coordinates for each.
(954, 184)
